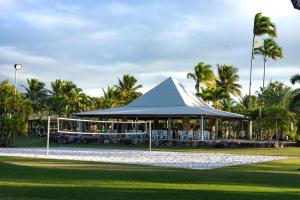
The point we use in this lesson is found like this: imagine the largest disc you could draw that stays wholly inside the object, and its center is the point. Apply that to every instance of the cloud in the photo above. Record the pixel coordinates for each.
(95, 42)
(44, 19)
(9, 54)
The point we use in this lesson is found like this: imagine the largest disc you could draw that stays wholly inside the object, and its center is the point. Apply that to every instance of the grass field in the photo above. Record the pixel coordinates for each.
(28, 178)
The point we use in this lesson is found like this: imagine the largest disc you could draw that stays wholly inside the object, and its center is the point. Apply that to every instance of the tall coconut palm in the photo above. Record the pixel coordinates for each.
(228, 80)
(262, 26)
(128, 89)
(57, 87)
(214, 95)
(36, 92)
(295, 97)
(295, 79)
(110, 98)
(202, 74)
(35, 89)
(66, 97)
(270, 49)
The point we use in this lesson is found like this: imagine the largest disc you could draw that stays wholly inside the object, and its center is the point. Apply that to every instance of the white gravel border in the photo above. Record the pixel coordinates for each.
(154, 158)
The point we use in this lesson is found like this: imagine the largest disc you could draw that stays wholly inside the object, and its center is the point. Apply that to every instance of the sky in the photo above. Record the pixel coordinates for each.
(93, 42)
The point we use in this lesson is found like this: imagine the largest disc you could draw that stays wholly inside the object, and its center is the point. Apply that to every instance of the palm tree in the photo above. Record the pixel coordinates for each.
(295, 97)
(295, 79)
(110, 98)
(127, 89)
(276, 93)
(269, 49)
(245, 100)
(14, 113)
(214, 95)
(202, 74)
(241, 105)
(227, 79)
(57, 87)
(262, 25)
(36, 92)
(66, 97)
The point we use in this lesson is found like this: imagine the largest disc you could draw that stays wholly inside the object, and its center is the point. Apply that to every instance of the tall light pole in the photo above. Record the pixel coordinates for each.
(17, 67)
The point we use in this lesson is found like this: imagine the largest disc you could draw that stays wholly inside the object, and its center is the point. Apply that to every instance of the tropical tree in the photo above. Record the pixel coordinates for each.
(228, 81)
(202, 74)
(295, 99)
(244, 102)
(214, 95)
(262, 25)
(276, 121)
(14, 113)
(269, 49)
(95, 103)
(37, 93)
(57, 87)
(110, 98)
(276, 93)
(128, 89)
(66, 98)
(273, 117)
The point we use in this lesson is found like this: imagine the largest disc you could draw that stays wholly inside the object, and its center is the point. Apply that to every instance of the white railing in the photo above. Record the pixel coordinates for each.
(183, 135)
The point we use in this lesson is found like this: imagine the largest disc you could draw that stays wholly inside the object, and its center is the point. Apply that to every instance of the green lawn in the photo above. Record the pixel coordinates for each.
(41, 142)
(29, 178)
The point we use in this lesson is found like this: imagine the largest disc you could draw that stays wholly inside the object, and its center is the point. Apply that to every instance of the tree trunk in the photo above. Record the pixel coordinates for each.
(228, 104)
(264, 76)
(251, 66)
(197, 87)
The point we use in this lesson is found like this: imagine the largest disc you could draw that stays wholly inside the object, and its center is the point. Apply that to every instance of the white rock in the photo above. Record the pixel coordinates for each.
(154, 158)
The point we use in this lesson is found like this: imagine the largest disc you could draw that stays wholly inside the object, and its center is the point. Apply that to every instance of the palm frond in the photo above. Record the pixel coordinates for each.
(295, 79)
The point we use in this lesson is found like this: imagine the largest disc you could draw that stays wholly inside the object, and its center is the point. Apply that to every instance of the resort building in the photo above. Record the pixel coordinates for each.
(176, 114)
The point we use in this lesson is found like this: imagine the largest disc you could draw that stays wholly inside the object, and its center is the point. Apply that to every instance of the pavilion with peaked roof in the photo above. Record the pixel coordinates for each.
(169, 101)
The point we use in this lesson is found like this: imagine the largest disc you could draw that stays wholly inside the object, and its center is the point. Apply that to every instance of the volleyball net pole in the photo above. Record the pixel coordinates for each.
(48, 134)
(77, 127)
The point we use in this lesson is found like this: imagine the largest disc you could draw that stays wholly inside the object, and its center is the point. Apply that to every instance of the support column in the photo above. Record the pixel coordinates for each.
(185, 123)
(202, 128)
(136, 128)
(229, 129)
(217, 129)
(156, 124)
(250, 130)
(170, 135)
(125, 125)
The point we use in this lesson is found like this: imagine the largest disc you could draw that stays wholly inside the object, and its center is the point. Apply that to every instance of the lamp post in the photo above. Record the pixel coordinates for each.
(17, 67)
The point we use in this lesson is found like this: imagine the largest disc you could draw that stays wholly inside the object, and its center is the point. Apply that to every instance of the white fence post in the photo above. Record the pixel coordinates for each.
(150, 137)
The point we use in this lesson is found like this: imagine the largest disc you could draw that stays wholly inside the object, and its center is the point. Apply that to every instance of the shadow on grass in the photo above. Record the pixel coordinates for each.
(132, 194)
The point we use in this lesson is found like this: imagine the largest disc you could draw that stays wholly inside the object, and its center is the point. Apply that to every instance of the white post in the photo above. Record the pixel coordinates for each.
(48, 135)
(57, 125)
(250, 130)
(150, 137)
(202, 128)
(216, 129)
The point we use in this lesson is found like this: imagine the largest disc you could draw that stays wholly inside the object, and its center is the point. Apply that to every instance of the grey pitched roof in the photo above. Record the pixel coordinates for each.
(169, 98)
(169, 93)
